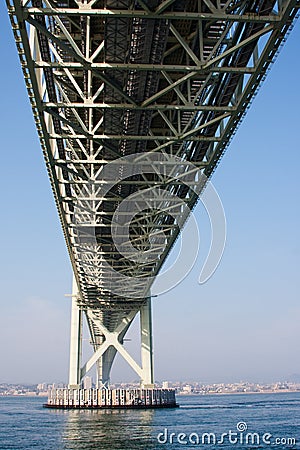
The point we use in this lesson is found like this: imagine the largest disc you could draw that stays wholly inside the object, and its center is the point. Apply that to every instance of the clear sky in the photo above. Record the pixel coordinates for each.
(242, 324)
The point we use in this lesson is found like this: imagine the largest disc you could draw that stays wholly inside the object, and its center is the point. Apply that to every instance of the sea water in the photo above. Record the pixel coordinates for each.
(246, 421)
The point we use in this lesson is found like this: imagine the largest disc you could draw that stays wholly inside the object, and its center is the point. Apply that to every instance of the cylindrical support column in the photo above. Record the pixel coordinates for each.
(147, 380)
(76, 340)
(103, 367)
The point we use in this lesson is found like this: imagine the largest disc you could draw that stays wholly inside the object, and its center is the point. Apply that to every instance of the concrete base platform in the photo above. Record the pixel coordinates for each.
(111, 398)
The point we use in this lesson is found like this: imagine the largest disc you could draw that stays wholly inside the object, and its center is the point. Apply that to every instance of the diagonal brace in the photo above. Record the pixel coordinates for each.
(111, 339)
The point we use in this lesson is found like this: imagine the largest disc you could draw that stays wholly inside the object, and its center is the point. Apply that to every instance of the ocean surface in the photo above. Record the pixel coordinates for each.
(252, 421)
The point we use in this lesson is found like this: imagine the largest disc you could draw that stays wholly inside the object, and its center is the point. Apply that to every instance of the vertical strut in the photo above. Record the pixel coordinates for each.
(147, 380)
(76, 340)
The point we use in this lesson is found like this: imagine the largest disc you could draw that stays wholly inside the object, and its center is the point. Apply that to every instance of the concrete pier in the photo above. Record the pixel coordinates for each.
(64, 398)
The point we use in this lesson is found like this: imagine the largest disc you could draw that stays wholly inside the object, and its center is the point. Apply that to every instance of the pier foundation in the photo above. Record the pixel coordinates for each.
(65, 398)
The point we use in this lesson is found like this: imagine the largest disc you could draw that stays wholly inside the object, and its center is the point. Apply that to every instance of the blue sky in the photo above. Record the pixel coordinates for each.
(242, 324)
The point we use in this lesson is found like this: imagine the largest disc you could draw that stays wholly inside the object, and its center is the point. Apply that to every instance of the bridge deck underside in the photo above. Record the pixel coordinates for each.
(110, 79)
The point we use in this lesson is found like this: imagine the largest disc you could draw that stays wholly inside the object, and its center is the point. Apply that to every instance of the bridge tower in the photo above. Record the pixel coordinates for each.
(101, 357)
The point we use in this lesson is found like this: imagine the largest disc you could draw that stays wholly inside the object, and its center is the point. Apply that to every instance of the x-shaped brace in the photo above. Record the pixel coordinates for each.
(111, 339)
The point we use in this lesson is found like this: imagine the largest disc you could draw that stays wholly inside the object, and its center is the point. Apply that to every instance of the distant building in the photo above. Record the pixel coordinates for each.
(187, 389)
(165, 385)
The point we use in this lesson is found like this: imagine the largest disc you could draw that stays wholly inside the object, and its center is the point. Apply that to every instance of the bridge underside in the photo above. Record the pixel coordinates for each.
(135, 102)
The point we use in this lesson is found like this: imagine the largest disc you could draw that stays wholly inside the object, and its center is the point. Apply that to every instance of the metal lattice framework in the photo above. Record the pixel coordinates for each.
(111, 79)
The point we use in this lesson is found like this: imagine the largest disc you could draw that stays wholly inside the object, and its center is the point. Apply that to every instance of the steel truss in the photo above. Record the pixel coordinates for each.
(110, 79)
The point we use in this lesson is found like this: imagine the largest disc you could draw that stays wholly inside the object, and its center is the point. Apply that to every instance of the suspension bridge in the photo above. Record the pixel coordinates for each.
(135, 102)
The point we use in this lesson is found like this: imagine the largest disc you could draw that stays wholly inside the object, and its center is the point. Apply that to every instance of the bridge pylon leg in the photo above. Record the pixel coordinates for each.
(75, 340)
(147, 379)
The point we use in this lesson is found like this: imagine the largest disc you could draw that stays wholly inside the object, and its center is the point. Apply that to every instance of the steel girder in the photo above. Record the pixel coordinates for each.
(110, 79)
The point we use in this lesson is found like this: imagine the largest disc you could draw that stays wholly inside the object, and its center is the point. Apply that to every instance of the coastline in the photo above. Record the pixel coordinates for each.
(192, 394)
(179, 394)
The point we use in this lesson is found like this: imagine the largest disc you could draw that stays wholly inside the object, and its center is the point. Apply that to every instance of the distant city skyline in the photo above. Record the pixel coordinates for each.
(242, 324)
(181, 387)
